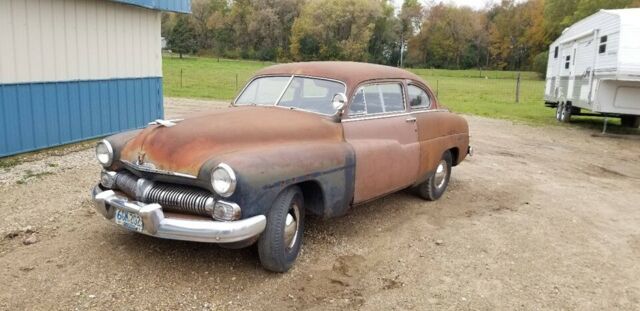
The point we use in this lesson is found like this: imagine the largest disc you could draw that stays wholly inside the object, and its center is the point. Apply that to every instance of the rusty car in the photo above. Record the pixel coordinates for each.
(300, 138)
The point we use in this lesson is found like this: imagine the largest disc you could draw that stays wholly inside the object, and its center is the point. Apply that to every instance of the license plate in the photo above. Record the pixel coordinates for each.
(129, 220)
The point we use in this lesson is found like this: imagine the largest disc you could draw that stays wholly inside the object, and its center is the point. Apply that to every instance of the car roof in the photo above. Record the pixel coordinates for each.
(351, 73)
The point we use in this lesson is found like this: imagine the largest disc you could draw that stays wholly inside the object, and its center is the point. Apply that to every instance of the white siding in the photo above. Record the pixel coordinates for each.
(628, 60)
(608, 25)
(553, 65)
(585, 50)
(608, 61)
(66, 40)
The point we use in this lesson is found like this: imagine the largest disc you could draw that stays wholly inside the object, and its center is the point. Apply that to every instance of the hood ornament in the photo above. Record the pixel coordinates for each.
(141, 161)
(165, 123)
(141, 156)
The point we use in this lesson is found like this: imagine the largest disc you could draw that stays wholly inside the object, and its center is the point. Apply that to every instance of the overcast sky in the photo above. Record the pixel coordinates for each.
(476, 4)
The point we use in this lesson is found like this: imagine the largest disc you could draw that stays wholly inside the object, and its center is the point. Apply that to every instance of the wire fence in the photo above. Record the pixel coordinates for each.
(449, 86)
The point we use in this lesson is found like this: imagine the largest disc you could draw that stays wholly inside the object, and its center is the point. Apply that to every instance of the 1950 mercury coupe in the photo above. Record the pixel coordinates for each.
(300, 138)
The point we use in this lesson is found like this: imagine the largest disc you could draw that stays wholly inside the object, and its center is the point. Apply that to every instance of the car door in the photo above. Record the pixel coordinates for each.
(435, 134)
(384, 137)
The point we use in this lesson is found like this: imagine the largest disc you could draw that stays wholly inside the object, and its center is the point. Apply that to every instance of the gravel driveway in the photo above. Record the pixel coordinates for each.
(539, 218)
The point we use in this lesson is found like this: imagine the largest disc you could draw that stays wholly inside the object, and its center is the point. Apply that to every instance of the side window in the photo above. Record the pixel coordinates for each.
(377, 98)
(555, 53)
(603, 44)
(418, 98)
(391, 95)
(567, 62)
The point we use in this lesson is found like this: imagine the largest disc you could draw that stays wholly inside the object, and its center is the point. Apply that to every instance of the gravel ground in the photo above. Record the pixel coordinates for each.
(540, 218)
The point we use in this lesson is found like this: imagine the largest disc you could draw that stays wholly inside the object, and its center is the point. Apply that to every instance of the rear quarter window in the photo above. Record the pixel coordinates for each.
(418, 98)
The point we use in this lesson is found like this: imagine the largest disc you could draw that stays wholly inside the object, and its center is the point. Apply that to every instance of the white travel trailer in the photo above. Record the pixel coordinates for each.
(595, 66)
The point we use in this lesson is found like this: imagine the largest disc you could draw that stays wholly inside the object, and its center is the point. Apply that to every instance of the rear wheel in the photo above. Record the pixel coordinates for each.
(559, 110)
(565, 113)
(434, 187)
(280, 243)
(630, 121)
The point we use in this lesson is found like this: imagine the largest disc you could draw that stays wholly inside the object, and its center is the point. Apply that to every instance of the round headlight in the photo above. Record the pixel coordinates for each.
(223, 180)
(104, 153)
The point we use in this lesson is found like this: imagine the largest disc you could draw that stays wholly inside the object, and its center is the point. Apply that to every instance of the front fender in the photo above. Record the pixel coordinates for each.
(263, 172)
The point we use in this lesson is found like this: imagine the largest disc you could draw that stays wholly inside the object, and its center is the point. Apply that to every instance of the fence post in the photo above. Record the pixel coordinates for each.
(181, 77)
(518, 88)
(236, 82)
(437, 88)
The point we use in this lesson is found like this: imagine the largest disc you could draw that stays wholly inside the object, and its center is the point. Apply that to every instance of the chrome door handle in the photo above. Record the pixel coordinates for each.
(410, 120)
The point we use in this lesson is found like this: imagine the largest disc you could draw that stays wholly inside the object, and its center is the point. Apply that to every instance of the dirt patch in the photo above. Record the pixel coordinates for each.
(540, 218)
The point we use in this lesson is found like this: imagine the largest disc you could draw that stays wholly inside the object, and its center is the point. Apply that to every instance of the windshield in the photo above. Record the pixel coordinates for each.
(311, 94)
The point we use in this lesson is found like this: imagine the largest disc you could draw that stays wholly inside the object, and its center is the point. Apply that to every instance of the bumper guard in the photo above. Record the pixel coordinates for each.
(156, 224)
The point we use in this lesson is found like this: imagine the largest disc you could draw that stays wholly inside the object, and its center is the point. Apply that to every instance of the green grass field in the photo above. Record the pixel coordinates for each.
(486, 93)
(206, 77)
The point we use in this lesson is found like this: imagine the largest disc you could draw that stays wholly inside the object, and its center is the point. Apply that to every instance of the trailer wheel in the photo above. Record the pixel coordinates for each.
(559, 108)
(565, 113)
(630, 121)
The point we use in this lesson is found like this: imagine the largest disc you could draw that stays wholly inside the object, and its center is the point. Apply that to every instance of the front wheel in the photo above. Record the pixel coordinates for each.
(434, 187)
(281, 240)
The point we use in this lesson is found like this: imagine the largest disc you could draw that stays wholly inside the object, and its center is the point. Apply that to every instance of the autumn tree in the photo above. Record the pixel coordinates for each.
(335, 29)
(512, 34)
(182, 39)
(444, 37)
(270, 26)
(384, 47)
(410, 20)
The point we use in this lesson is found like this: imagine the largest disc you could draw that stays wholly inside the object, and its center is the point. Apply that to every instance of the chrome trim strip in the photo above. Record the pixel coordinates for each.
(378, 116)
(286, 87)
(156, 171)
(156, 224)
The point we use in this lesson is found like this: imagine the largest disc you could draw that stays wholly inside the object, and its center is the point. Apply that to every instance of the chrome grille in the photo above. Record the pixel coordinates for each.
(177, 198)
(180, 198)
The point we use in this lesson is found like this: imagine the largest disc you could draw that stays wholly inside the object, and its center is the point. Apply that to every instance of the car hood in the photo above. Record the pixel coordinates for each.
(188, 145)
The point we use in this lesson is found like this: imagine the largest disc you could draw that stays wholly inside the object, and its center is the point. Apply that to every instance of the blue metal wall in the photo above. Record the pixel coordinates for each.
(39, 115)
(180, 6)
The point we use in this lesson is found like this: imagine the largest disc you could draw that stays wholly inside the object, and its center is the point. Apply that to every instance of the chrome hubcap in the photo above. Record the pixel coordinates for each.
(441, 174)
(291, 226)
(558, 111)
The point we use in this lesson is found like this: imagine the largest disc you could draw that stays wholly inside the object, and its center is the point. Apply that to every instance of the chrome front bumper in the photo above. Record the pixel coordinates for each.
(156, 224)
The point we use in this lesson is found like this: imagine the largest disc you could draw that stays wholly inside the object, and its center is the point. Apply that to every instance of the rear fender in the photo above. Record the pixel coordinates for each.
(439, 131)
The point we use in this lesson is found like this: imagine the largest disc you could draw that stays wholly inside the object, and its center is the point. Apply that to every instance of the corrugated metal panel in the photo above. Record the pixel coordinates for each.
(181, 6)
(38, 115)
(64, 40)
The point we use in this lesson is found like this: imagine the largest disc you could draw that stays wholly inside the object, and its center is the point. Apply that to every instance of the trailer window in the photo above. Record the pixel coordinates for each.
(603, 44)
(567, 62)
(555, 53)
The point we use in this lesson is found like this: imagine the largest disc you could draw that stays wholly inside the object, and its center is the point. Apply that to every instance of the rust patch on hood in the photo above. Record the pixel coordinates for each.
(185, 147)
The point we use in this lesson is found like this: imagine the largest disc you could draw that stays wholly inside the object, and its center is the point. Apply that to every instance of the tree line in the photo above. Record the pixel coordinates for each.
(510, 35)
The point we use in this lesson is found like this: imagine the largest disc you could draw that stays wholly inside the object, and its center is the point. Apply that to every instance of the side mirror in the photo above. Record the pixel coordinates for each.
(339, 102)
